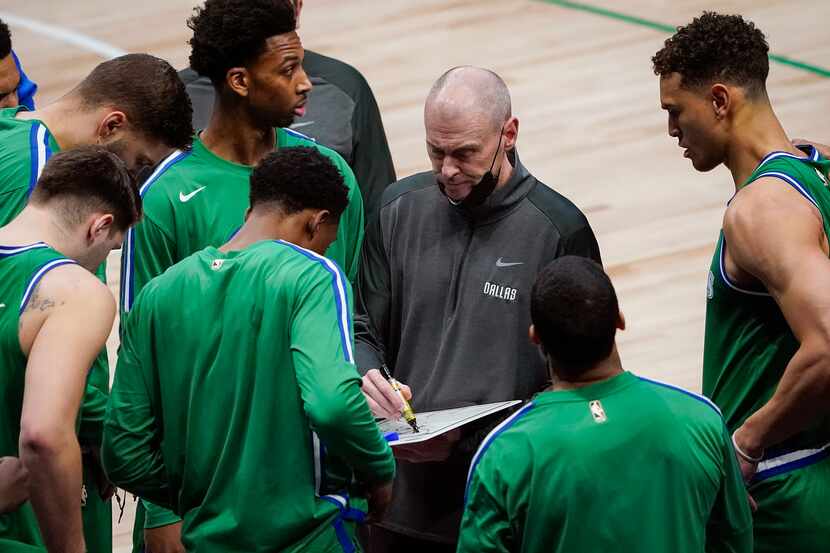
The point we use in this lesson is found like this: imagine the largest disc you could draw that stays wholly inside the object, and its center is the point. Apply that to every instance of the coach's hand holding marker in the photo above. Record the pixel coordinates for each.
(408, 413)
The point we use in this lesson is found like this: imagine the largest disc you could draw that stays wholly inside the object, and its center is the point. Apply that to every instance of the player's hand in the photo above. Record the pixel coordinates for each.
(14, 484)
(753, 506)
(822, 149)
(747, 454)
(748, 469)
(381, 397)
(164, 539)
(437, 449)
(380, 497)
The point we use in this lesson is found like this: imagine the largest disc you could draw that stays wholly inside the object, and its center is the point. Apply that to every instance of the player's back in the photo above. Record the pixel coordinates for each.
(221, 335)
(21, 267)
(623, 465)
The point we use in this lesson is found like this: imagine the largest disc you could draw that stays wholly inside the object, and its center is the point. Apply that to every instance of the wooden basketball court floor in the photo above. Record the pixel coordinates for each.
(582, 86)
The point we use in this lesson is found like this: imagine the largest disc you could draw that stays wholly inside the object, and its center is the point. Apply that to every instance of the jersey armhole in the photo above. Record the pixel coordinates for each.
(37, 276)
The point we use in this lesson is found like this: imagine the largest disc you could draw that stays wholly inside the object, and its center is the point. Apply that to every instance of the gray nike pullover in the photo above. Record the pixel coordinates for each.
(444, 301)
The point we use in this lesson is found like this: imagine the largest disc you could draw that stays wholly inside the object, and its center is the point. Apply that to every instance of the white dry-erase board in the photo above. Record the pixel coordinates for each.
(435, 423)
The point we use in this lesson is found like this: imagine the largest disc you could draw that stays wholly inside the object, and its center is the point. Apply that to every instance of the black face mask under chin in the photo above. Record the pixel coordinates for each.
(483, 188)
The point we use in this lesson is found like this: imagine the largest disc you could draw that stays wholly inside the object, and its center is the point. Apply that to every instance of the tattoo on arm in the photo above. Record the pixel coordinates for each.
(40, 302)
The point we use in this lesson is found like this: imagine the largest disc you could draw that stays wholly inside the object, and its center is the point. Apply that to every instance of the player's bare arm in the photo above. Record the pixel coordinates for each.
(775, 236)
(63, 327)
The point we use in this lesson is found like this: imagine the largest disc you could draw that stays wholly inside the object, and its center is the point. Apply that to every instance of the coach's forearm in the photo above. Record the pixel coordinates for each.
(802, 395)
(53, 460)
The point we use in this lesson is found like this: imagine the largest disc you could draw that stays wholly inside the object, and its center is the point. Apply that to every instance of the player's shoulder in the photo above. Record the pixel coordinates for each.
(169, 174)
(681, 400)
(67, 282)
(291, 138)
(504, 443)
(305, 261)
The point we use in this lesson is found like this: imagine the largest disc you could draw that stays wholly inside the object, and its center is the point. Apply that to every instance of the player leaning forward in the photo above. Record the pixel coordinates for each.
(767, 343)
(257, 387)
(84, 201)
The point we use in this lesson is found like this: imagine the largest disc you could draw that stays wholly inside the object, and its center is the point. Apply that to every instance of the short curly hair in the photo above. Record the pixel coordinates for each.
(299, 178)
(716, 47)
(5, 40)
(232, 33)
(149, 92)
(574, 310)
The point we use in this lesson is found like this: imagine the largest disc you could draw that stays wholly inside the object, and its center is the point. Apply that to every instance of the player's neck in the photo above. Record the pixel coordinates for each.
(259, 227)
(757, 133)
(69, 124)
(37, 224)
(608, 368)
(233, 135)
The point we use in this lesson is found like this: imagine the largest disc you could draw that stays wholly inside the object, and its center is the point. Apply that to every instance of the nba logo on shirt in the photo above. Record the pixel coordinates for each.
(597, 412)
(217, 264)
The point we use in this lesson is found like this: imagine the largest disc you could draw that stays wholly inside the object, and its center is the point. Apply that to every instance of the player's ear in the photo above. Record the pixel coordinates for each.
(319, 218)
(101, 226)
(721, 100)
(238, 80)
(111, 124)
(620, 321)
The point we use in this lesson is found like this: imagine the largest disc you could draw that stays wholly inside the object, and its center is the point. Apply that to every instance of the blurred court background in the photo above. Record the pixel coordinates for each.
(583, 90)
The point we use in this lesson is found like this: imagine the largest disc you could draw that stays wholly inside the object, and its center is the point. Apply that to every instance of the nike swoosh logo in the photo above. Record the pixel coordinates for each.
(500, 263)
(302, 124)
(184, 198)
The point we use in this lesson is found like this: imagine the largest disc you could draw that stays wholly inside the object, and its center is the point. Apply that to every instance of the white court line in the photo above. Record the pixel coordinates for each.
(63, 34)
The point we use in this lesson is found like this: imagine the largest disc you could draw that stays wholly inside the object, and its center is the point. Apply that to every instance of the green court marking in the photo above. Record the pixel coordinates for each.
(662, 27)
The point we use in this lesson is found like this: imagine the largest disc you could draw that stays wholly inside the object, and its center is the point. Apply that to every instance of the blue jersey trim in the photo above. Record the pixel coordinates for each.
(40, 152)
(338, 280)
(33, 159)
(33, 282)
(791, 181)
(299, 134)
(343, 535)
(127, 295)
(488, 441)
(700, 398)
(725, 277)
(791, 466)
(8, 251)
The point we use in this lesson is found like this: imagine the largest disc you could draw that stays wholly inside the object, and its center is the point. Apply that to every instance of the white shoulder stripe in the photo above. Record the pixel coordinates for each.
(343, 304)
(11, 250)
(160, 168)
(699, 397)
(41, 149)
(38, 275)
(492, 436)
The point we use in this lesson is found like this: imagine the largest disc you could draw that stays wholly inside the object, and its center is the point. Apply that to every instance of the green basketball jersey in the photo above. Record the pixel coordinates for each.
(21, 268)
(239, 365)
(627, 464)
(25, 146)
(196, 199)
(748, 342)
